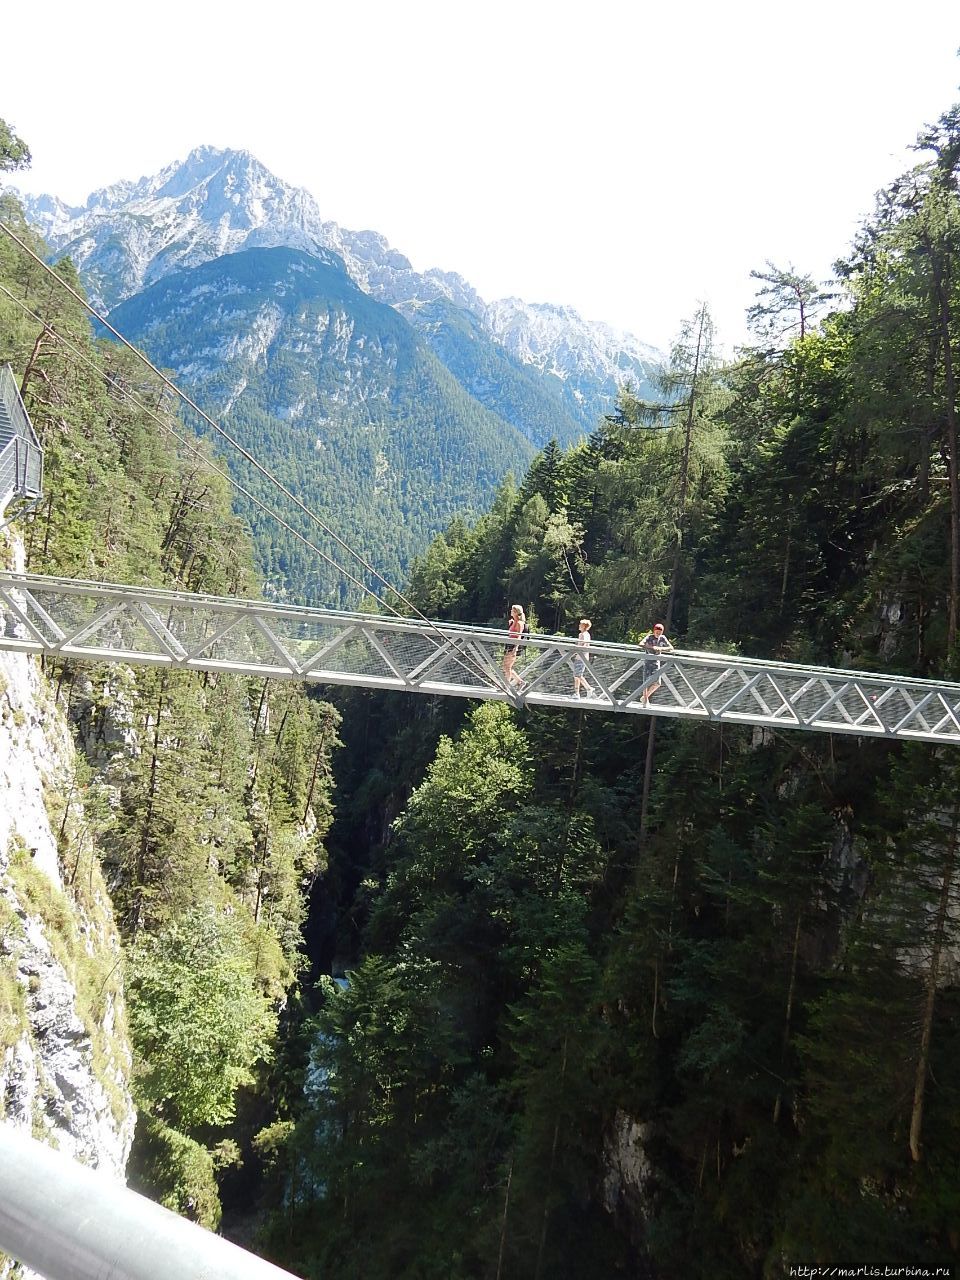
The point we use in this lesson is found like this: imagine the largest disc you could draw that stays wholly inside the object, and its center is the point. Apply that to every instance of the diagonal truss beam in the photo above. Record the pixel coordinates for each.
(144, 625)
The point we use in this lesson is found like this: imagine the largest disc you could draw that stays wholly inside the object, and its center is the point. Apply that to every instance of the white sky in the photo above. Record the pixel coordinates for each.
(624, 157)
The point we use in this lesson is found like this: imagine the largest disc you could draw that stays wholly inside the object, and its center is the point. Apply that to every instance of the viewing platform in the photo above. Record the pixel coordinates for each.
(21, 457)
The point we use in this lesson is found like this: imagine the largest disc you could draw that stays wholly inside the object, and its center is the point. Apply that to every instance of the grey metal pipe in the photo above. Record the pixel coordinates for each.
(69, 1222)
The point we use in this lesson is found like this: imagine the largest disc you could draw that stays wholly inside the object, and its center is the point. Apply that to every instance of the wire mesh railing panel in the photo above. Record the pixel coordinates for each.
(409, 651)
(465, 665)
(10, 395)
(304, 636)
(8, 472)
(243, 642)
(46, 615)
(357, 656)
(33, 471)
(706, 687)
(21, 462)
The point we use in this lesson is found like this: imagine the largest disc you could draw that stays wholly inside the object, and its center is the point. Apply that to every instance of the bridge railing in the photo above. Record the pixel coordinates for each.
(208, 633)
(21, 457)
(69, 1222)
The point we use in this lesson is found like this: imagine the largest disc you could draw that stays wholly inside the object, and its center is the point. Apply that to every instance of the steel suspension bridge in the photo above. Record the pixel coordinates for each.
(64, 618)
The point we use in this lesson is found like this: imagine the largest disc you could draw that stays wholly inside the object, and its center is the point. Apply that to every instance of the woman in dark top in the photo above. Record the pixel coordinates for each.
(654, 642)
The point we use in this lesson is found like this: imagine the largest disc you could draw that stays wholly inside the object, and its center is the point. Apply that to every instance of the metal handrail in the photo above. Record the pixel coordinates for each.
(70, 1222)
(9, 471)
(10, 394)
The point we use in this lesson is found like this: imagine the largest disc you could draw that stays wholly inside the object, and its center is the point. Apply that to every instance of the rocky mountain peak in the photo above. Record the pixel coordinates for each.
(218, 201)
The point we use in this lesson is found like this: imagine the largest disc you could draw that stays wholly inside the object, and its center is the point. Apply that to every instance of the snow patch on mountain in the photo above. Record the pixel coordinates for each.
(557, 340)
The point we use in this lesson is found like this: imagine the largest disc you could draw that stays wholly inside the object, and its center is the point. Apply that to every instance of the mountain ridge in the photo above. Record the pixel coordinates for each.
(131, 233)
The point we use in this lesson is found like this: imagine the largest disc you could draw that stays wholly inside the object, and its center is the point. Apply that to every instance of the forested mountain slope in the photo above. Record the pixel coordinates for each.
(677, 1000)
(336, 394)
(206, 797)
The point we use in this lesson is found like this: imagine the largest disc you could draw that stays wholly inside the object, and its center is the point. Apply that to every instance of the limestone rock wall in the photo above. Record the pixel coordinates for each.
(64, 1053)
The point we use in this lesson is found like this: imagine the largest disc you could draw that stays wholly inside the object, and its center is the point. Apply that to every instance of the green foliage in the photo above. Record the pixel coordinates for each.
(198, 1020)
(386, 456)
(13, 1012)
(176, 1172)
(737, 983)
(14, 152)
(704, 1027)
(207, 799)
(538, 403)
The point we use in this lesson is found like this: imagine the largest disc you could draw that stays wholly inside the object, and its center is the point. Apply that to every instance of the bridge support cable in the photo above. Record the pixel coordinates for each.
(69, 1222)
(64, 618)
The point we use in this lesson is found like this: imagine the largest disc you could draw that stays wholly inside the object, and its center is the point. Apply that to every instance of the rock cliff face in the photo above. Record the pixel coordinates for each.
(64, 1053)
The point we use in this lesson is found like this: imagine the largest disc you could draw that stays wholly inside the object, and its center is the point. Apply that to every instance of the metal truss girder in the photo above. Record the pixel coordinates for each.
(143, 625)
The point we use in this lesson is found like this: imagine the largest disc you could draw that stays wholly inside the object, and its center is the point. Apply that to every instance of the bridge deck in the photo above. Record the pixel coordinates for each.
(101, 622)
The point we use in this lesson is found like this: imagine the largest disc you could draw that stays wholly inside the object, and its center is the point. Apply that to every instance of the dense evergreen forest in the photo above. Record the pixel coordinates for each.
(667, 999)
(208, 796)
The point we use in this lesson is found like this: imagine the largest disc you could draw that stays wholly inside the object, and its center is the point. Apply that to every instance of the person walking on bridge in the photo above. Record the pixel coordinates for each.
(581, 659)
(655, 643)
(515, 626)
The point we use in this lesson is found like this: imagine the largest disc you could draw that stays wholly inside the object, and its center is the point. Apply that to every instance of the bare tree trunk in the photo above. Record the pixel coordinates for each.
(926, 1033)
(927, 428)
(313, 779)
(145, 828)
(575, 773)
(941, 284)
(647, 779)
(685, 470)
(28, 370)
(262, 870)
(503, 1222)
(553, 1160)
(786, 567)
(788, 1015)
(263, 713)
(46, 532)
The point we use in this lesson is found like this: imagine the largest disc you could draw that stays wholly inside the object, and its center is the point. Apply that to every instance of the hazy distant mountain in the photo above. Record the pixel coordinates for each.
(131, 234)
(337, 394)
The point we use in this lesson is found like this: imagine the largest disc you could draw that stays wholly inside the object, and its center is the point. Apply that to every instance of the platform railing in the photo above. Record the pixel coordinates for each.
(21, 457)
(66, 1221)
(146, 625)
